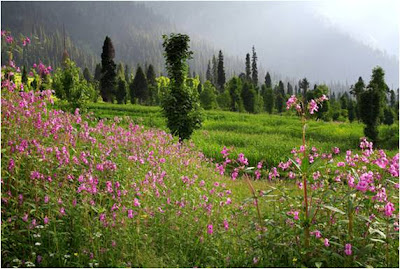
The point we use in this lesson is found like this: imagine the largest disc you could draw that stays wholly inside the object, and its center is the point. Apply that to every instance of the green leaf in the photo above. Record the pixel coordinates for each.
(334, 209)
(295, 164)
(377, 240)
(318, 264)
(373, 231)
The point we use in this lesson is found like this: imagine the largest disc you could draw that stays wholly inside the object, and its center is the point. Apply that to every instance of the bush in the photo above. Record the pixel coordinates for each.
(69, 87)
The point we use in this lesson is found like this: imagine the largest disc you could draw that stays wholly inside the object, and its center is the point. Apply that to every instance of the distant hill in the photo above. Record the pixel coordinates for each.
(136, 32)
(291, 42)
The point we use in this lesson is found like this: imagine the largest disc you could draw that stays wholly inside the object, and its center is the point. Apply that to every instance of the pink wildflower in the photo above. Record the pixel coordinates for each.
(326, 242)
(136, 202)
(226, 225)
(389, 208)
(292, 100)
(312, 106)
(347, 249)
(210, 229)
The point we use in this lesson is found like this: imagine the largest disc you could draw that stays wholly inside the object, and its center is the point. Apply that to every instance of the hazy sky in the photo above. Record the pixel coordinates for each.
(375, 23)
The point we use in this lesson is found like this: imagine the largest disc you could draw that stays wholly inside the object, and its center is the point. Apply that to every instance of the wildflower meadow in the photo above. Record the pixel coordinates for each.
(78, 191)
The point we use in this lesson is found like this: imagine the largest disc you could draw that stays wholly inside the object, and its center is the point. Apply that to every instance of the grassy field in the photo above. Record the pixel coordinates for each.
(259, 137)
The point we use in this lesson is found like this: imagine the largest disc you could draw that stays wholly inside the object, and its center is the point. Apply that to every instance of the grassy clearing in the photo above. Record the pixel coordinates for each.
(260, 137)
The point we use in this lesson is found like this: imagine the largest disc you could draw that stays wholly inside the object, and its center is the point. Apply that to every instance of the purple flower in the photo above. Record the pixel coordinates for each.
(312, 106)
(210, 229)
(389, 208)
(226, 225)
(347, 249)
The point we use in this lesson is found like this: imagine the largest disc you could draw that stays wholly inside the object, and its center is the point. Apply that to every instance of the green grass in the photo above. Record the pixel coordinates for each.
(260, 137)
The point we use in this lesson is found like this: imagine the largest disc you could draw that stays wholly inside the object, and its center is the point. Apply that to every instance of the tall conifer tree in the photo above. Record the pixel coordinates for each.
(108, 71)
(221, 72)
(254, 70)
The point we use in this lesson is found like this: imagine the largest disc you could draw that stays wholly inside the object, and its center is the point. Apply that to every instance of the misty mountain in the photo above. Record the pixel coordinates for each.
(289, 38)
(136, 32)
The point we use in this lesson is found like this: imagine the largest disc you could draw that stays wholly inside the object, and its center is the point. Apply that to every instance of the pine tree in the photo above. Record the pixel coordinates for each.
(269, 100)
(279, 100)
(138, 88)
(97, 72)
(87, 75)
(351, 110)
(378, 84)
(127, 74)
(234, 87)
(208, 73)
(254, 70)
(249, 97)
(281, 88)
(152, 84)
(268, 81)
(304, 85)
(392, 99)
(214, 71)
(108, 71)
(356, 91)
(121, 91)
(151, 76)
(248, 68)
(289, 89)
(221, 72)
(370, 103)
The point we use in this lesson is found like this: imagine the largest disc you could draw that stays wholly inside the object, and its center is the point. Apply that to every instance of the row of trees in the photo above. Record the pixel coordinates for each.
(240, 93)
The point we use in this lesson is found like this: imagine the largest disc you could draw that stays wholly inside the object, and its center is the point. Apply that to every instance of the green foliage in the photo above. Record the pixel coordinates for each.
(279, 98)
(224, 100)
(389, 136)
(268, 81)
(351, 110)
(249, 97)
(24, 76)
(234, 88)
(254, 70)
(370, 105)
(180, 103)
(221, 72)
(69, 87)
(87, 75)
(388, 116)
(97, 72)
(248, 68)
(269, 99)
(108, 71)
(121, 91)
(139, 91)
(208, 97)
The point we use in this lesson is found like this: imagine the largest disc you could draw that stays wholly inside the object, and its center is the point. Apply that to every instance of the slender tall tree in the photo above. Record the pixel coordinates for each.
(221, 72)
(180, 104)
(208, 73)
(254, 70)
(108, 71)
(214, 71)
(127, 74)
(138, 88)
(248, 67)
(268, 81)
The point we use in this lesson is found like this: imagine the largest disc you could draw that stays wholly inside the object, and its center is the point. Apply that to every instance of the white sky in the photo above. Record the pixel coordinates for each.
(375, 23)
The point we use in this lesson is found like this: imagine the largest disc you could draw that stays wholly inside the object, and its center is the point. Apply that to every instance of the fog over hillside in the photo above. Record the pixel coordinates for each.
(290, 38)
